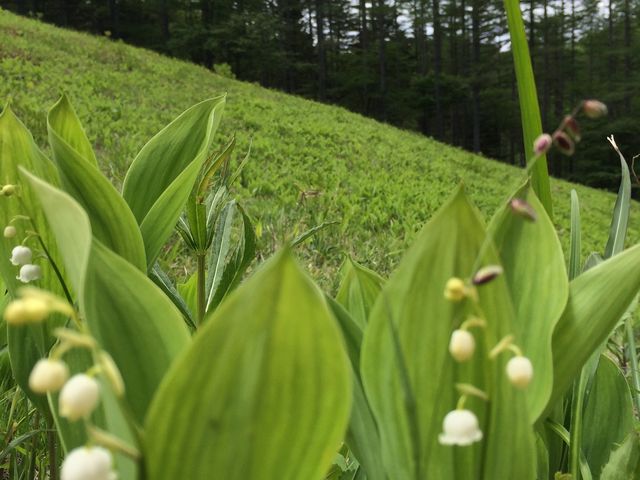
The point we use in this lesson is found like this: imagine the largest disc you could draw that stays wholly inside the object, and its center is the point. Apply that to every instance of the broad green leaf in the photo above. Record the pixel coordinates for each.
(264, 392)
(17, 148)
(575, 255)
(68, 127)
(597, 300)
(624, 463)
(362, 436)
(535, 272)
(111, 219)
(528, 96)
(608, 415)
(358, 290)
(620, 217)
(163, 174)
(162, 280)
(129, 316)
(220, 247)
(409, 375)
(189, 291)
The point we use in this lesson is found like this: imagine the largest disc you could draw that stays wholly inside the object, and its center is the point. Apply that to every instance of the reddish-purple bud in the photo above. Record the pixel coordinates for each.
(486, 274)
(572, 128)
(563, 143)
(542, 144)
(524, 209)
(594, 108)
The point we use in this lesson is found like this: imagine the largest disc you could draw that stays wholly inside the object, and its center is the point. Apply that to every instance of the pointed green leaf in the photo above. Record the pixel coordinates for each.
(620, 217)
(163, 174)
(359, 290)
(111, 219)
(409, 375)
(534, 268)
(262, 394)
(608, 415)
(17, 148)
(129, 316)
(597, 300)
(576, 238)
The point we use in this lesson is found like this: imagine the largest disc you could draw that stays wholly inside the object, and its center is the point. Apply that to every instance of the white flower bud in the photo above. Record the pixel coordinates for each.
(462, 345)
(29, 273)
(460, 427)
(21, 312)
(88, 463)
(594, 109)
(21, 255)
(520, 371)
(10, 231)
(79, 397)
(455, 290)
(48, 376)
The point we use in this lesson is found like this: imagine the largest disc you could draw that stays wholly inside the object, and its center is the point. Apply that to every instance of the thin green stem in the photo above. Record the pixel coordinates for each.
(633, 359)
(51, 447)
(201, 288)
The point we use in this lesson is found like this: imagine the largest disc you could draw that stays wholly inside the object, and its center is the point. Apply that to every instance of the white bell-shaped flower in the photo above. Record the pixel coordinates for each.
(29, 273)
(462, 345)
(520, 371)
(48, 375)
(10, 231)
(21, 255)
(79, 397)
(460, 427)
(88, 463)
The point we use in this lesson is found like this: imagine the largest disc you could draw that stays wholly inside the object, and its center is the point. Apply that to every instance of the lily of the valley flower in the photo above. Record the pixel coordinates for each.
(462, 345)
(520, 371)
(594, 108)
(10, 231)
(79, 397)
(24, 311)
(460, 427)
(29, 273)
(8, 190)
(48, 375)
(88, 463)
(21, 255)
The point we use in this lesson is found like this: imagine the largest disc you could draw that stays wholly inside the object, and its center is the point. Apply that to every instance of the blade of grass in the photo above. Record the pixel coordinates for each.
(529, 108)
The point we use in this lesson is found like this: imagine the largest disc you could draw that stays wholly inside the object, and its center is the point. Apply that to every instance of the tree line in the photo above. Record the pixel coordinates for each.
(440, 67)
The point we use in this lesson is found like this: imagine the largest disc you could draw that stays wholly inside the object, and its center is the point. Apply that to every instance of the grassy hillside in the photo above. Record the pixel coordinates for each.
(380, 183)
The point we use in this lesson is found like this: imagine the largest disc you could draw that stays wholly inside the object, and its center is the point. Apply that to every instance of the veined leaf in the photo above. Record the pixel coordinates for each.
(262, 394)
(535, 271)
(163, 174)
(624, 463)
(17, 148)
(597, 300)
(129, 316)
(608, 415)
(409, 375)
(358, 290)
(111, 219)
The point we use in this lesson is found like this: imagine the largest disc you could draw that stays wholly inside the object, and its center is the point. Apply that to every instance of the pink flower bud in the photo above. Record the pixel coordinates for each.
(594, 108)
(524, 209)
(542, 144)
(564, 144)
(486, 274)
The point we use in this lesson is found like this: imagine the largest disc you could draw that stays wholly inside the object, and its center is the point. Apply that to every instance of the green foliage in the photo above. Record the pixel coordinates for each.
(380, 183)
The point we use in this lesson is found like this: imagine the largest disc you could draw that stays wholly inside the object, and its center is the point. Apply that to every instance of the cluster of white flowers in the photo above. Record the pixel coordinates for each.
(88, 463)
(22, 256)
(461, 426)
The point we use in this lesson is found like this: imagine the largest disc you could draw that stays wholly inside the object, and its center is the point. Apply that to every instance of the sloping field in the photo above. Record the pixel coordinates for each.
(379, 183)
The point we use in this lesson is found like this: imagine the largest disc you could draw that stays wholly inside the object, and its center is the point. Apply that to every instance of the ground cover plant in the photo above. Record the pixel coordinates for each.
(488, 353)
